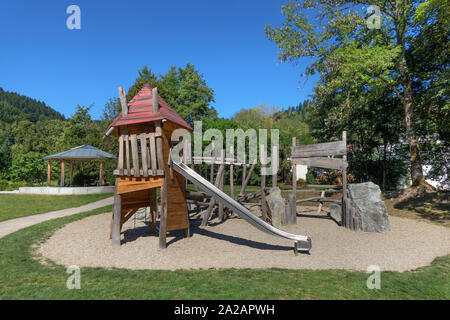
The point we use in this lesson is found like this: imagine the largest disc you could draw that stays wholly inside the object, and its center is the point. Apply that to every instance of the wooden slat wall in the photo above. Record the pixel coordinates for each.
(336, 148)
(322, 162)
(139, 156)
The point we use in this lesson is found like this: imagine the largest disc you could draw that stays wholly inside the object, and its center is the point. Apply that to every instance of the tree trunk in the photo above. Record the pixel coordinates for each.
(413, 141)
(414, 148)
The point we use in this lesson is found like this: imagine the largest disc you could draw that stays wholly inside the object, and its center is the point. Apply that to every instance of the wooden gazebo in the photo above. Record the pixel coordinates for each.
(81, 153)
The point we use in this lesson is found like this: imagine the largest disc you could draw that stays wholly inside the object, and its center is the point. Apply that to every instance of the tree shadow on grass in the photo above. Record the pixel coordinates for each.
(433, 206)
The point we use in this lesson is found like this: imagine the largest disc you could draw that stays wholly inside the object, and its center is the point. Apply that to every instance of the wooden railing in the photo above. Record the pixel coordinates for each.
(140, 155)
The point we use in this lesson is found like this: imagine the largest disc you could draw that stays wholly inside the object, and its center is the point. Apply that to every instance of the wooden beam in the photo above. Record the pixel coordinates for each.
(120, 160)
(131, 184)
(292, 216)
(71, 173)
(212, 202)
(213, 154)
(153, 157)
(153, 211)
(135, 155)
(232, 174)
(263, 159)
(294, 169)
(318, 199)
(117, 216)
(63, 169)
(101, 178)
(222, 176)
(155, 100)
(247, 179)
(163, 215)
(144, 162)
(348, 216)
(322, 162)
(49, 173)
(127, 153)
(274, 161)
(159, 145)
(319, 150)
(123, 102)
(244, 174)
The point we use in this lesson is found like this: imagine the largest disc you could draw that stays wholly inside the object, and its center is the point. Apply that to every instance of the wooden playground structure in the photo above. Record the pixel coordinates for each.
(322, 155)
(142, 166)
(144, 129)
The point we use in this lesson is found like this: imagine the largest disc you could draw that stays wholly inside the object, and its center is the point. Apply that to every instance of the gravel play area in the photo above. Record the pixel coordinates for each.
(236, 244)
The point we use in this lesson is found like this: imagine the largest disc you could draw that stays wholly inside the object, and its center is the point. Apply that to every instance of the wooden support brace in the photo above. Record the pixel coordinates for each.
(117, 216)
(163, 215)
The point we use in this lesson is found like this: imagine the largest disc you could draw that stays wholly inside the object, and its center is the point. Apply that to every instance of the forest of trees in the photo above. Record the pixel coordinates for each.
(387, 87)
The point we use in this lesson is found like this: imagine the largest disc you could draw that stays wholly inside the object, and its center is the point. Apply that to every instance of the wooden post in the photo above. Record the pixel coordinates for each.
(163, 215)
(153, 210)
(71, 173)
(63, 168)
(244, 172)
(263, 160)
(117, 215)
(232, 173)
(348, 215)
(292, 217)
(294, 169)
(49, 173)
(212, 202)
(274, 166)
(322, 195)
(123, 101)
(213, 157)
(101, 178)
(247, 179)
(222, 163)
(155, 100)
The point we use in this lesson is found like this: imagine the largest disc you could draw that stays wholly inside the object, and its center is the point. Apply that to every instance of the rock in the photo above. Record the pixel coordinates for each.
(369, 210)
(336, 211)
(276, 205)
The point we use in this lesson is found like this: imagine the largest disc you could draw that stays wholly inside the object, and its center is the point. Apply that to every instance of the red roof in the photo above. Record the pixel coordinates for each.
(140, 110)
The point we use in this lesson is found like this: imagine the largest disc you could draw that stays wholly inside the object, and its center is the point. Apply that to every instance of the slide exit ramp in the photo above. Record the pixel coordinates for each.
(301, 243)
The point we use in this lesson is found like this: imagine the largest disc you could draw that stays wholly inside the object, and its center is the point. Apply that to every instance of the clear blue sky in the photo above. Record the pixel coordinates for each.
(224, 39)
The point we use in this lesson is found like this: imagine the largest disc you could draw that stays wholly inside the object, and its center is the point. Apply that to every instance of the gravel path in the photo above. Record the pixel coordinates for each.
(12, 225)
(236, 244)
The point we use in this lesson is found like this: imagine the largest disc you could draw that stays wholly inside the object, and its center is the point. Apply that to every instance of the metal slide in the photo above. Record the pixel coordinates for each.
(301, 243)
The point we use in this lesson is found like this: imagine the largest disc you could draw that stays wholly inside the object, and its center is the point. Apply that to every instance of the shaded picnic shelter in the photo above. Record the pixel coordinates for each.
(80, 153)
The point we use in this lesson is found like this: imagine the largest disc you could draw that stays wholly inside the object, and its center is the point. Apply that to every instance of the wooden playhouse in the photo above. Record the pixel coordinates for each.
(144, 129)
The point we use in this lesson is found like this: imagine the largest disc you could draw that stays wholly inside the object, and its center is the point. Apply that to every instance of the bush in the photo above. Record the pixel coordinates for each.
(28, 167)
(5, 185)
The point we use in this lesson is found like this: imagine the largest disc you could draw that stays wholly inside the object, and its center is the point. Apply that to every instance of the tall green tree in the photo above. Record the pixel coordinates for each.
(348, 54)
(188, 93)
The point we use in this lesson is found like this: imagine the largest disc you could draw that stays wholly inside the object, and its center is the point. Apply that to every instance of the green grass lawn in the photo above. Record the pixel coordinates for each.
(21, 205)
(22, 277)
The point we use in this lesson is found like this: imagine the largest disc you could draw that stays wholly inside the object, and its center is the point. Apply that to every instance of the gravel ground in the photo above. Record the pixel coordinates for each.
(236, 244)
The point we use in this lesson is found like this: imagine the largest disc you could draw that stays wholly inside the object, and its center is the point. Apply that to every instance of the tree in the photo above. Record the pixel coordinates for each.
(184, 89)
(348, 54)
(188, 93)
(28, 167)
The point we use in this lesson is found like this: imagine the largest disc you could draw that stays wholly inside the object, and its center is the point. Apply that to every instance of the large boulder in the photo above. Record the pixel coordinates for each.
(369, 210)
(276, 205)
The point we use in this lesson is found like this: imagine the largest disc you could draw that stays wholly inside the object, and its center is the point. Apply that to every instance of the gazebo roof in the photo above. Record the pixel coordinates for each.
(140, 110)
(84, 152)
